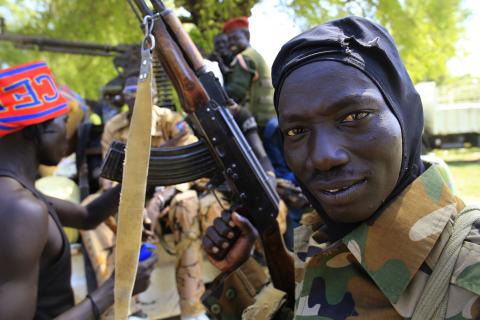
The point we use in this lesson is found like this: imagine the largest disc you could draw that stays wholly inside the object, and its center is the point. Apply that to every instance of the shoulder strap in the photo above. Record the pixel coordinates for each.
(242, 60)
(434, 299)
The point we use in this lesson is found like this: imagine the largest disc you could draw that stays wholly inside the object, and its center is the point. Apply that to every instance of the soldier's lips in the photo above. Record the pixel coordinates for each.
(341, 192)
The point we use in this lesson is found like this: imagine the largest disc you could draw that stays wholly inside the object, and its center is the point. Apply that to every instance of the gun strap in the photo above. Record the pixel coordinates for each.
(132, 199)
(433, 302)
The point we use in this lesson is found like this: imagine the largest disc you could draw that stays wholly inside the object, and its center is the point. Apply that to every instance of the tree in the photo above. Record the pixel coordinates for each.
(107, 22)
(426, 31)
(207, 17)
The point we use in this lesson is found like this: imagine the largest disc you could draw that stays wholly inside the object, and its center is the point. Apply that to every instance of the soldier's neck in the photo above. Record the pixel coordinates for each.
(19, 156)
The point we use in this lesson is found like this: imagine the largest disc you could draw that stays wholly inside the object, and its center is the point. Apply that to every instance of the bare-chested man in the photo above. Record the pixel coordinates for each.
(35, 269)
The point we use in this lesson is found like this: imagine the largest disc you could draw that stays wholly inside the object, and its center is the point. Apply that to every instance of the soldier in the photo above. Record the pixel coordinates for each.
(168, 127)
(34, 250)
(248, 82)
(221, 52)
(389, 240)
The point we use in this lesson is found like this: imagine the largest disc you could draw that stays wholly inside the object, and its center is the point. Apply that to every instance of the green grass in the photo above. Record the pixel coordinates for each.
(465, 167)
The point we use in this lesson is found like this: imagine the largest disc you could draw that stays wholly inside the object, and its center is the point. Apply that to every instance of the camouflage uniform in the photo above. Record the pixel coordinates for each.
(168, 128)
(379, 270)
(248, 82)
(239, 77)
(260, 96)
(183, 218)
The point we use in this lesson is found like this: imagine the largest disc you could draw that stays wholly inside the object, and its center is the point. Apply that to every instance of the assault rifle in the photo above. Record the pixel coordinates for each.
(230, 158)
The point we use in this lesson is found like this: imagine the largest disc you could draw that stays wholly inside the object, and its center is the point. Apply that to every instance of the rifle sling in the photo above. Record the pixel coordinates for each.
(132, 198)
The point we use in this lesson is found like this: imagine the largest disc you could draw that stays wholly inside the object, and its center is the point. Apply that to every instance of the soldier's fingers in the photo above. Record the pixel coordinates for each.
(150, 262)
(209, 246)
(216, 238)
(221, 245)
(234, 230)
(244, 225)
(227, 218)
(223, 229)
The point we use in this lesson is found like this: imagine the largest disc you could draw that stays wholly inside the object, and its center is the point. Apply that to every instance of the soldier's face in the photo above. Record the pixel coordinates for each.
(53, 141)
(340, 138)
(221, 44)
(238, 40)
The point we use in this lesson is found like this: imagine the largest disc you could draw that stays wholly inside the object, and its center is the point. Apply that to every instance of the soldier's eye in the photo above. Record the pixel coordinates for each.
(355, 116)
(295, 131)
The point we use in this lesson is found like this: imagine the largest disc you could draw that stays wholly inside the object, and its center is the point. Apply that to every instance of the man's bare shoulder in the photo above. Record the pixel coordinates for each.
(23, 217)
(15, 196)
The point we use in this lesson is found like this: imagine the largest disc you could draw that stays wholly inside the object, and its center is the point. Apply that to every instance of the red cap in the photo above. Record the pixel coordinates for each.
(235, 23)
(28, 95)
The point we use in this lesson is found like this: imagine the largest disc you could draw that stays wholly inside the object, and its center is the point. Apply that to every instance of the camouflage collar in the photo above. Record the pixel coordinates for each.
(393, 248)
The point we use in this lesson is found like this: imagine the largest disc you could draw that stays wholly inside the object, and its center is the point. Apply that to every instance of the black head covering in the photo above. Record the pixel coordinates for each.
(367, 46)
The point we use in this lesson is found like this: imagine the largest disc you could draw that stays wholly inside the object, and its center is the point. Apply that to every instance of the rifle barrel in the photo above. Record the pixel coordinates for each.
(58, 45)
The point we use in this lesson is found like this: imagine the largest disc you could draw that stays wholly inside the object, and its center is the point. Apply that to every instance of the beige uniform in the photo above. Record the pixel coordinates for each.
(168, 128)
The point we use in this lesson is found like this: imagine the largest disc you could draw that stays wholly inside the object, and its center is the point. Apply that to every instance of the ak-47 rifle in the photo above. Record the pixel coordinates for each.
(203, 98)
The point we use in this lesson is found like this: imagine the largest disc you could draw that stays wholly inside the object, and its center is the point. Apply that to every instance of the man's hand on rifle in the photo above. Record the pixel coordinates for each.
(229, 241)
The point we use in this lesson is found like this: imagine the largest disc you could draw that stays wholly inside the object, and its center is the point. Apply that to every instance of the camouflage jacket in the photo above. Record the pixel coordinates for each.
(260, 96)
(168, 128)
(379, 270)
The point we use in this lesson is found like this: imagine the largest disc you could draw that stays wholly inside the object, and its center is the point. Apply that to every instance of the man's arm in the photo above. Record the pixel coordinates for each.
(90, 216)
(102, 298)
(24, 233)
(23, 236)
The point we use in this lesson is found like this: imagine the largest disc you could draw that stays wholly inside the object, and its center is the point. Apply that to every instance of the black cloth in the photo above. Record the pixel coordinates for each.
(367, 46)
(54, 294)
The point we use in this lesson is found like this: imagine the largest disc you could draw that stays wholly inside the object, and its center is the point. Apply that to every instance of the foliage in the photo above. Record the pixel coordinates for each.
(106, 22)
(208, 16)
(426, 31)
(464, 165)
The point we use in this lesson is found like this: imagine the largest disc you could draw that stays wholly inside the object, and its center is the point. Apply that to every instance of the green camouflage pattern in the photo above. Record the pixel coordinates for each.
(379, 270)
(260, 97)
(238, 78)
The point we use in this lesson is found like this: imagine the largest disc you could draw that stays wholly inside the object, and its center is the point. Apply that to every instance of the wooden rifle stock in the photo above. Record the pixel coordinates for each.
(185, 42)
(186, 83)
(280, 262)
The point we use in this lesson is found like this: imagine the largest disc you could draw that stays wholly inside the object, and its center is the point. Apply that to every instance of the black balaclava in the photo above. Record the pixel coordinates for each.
(367, 46)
